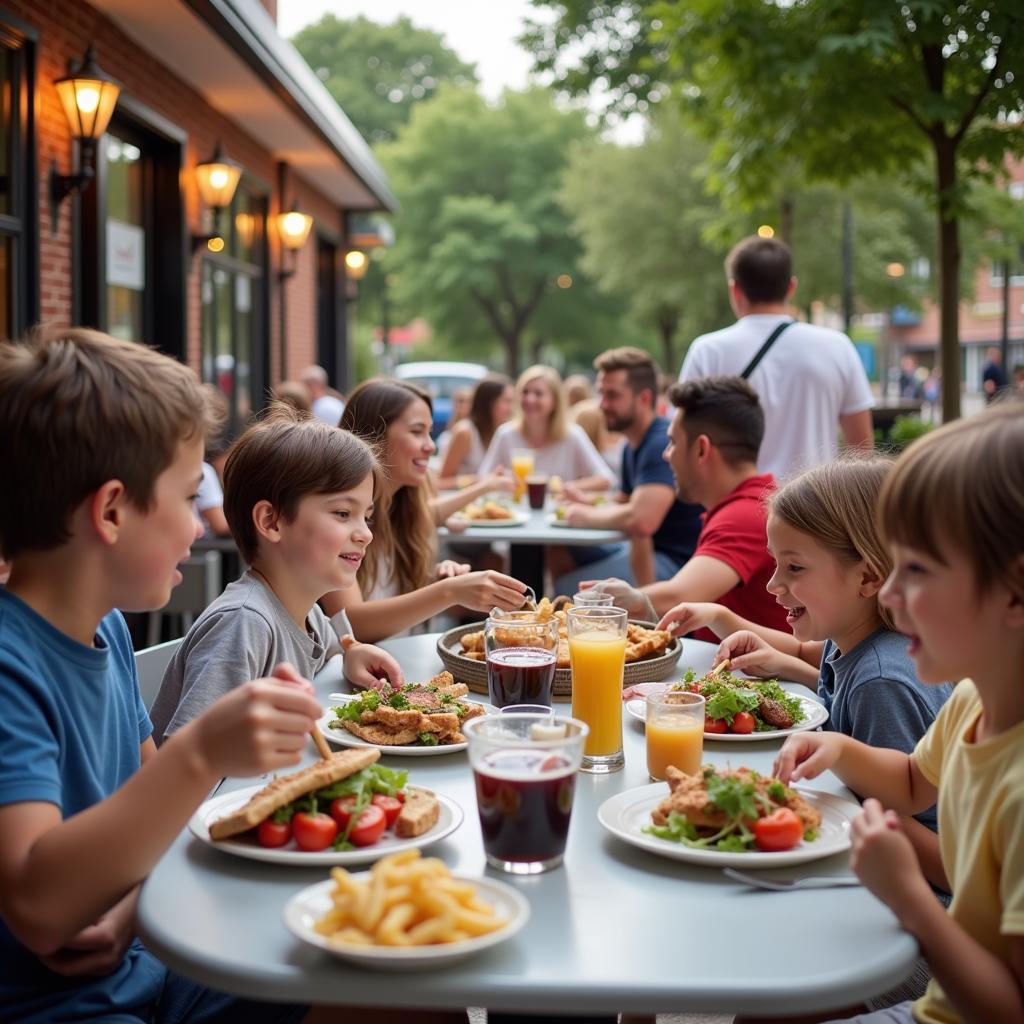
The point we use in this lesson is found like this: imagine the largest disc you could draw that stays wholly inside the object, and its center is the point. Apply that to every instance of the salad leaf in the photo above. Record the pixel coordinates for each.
(428, 739)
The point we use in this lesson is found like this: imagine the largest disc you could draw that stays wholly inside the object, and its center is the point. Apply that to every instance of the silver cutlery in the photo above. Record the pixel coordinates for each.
(785, 885)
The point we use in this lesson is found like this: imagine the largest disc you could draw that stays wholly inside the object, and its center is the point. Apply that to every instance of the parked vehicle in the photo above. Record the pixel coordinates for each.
(440, 379)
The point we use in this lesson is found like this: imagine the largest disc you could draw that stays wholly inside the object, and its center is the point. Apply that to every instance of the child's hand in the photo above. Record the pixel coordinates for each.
(634, 601)
(805, 755)
(488, 589)
(690, 616)
(100, 947)
(747, 652)
(259, 727)
(371, 668)
(883, 857)
(448, 569)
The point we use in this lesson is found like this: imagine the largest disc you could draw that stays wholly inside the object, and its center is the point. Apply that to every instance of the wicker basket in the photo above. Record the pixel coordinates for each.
(474, 673)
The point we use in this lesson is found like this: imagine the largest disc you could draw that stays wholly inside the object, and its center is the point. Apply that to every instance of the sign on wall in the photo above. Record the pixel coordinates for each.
(126, 255)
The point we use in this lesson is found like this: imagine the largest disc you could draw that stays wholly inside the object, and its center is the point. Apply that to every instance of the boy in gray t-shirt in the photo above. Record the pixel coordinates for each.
(297, 496)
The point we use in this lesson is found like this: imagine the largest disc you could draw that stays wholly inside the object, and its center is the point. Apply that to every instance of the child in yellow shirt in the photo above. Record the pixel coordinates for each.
(952, 513)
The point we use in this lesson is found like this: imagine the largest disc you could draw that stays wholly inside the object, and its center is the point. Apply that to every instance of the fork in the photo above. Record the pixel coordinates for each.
(785, 885)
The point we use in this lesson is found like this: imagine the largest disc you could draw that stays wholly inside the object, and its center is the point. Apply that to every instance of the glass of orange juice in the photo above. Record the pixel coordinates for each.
(597, 654)
(675, 732)
(522, 466)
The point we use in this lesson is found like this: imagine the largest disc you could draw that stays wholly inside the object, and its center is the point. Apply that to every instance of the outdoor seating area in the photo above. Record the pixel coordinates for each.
(511, 512)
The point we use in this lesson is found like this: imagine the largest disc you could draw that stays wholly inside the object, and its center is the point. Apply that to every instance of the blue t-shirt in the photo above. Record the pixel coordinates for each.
(677, 535)
(873, 694)
(71, 723)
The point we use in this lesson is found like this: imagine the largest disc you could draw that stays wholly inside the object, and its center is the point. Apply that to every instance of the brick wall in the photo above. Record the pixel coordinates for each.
(65, 29)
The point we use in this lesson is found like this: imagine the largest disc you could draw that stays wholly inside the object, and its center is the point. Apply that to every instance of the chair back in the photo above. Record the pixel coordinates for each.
(150, 663)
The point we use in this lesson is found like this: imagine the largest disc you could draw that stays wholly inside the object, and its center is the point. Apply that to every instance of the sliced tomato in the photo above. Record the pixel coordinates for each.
(743, 722)
(369, 827)
(715, 725)
(313, 831)
(390, 805)
(780, 830)
(341, 810)
(273, 834)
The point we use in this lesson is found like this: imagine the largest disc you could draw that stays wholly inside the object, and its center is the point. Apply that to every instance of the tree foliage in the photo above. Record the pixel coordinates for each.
(838, 87)
(482, 237)
(377, 73)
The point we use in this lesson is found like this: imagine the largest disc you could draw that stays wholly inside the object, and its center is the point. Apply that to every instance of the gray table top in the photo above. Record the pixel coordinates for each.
(613, 929)
(536, 530)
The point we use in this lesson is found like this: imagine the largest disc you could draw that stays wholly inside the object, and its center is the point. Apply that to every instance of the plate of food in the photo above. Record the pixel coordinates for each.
(730, 818)
(742, 710)
(426, 915)
(415, 720)
(484, 514)
(345, 810)
(650, 653)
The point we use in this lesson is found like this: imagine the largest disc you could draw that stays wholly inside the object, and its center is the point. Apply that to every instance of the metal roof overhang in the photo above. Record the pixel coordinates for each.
(230, 52)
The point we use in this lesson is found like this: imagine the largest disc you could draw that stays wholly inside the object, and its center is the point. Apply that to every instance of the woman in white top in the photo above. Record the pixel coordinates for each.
(491, 406)
(400, 578)
(559, 449)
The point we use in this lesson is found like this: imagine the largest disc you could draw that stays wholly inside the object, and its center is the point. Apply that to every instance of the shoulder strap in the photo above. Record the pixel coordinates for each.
(762, 351)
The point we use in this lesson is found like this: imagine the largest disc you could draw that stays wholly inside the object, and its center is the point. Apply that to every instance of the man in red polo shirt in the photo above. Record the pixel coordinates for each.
(713, 446)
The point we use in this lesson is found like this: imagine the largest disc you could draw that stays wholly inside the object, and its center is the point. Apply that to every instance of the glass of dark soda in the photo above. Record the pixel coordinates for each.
(524, 768)
(520, 649)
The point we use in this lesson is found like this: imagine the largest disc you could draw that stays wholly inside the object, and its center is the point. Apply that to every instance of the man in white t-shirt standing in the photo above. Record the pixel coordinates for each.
(810, 380)
(327, 403)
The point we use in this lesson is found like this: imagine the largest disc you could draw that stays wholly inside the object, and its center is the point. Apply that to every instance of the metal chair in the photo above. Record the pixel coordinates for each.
(151, 664)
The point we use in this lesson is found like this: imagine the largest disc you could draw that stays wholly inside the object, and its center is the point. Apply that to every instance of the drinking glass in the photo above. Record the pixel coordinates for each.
(520, 651)
(597, 654)
(675, 732)
(524, 767)
(593, 599)
(536, 490)
(522, 466)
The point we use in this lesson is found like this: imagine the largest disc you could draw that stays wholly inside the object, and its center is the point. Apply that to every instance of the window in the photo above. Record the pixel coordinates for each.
(19, 231)
(234, 347)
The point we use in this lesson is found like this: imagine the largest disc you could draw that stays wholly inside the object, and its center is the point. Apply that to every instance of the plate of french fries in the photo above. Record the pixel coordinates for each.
(409, 912)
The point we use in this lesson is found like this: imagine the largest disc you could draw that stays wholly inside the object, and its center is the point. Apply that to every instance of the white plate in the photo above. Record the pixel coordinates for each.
(309, 905)
(555, 521)
(625, 815)
(346, 739)
(219, 806)
(517, 519)
(816, 713)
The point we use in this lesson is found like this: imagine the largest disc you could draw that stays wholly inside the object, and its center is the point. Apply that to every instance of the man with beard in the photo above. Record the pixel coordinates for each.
(662, 530)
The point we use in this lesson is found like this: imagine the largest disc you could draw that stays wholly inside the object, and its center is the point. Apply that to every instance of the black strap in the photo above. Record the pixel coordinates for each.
(762, 351)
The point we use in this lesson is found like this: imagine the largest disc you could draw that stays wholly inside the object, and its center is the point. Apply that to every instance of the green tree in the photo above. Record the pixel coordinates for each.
(836, 86)
(377, 73)
(482, 239)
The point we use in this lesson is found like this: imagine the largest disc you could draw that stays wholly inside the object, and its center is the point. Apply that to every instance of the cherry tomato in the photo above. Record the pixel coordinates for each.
(341, 810)
(314, 831)
(272, 834)
(369, 827)
(715, 725)
(390, 805)
(743, 722)
(780, 830)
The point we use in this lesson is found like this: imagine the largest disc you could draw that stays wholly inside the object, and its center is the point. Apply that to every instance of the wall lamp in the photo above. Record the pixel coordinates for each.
(293, 227)
(88, 95)
(356, 264)
(217, 179)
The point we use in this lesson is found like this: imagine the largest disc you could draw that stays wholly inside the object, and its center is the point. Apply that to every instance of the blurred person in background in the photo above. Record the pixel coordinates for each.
(295, 394)
(462, 398)
(327, 403)
(492, 403)
(577, 388)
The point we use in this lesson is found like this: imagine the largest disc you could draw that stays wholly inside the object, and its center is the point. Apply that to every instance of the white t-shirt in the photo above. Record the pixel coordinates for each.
(808, 379)
(572, 458)
(329, 409)
(208, 495)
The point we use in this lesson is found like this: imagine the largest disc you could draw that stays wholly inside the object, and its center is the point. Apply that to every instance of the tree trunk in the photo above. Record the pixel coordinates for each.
(949, 277)
(668, 324)
(787, 219)
(512, 345)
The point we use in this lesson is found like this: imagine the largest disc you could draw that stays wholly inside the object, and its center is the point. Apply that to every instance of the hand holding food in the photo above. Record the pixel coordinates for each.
(367, 665)
(690, 616)
(408, 901)
(748, 653)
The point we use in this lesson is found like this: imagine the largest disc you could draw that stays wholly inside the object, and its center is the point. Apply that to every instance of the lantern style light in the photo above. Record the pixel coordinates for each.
(294, 226)
(356, 264)
(217, 179)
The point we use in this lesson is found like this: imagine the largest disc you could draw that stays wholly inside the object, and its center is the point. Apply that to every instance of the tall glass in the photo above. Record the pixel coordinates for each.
(522, 466)
(597, 654)
(593, 599)
(524, 767)
(675, 733)
(520, 651)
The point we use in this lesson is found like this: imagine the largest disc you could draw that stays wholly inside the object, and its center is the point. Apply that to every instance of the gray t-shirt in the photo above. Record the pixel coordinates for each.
(873, 694)
(244, 634)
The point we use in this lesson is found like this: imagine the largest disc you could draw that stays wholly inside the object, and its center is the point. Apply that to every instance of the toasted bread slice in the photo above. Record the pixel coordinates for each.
(283, 790)
(374, 732)
(419, 814)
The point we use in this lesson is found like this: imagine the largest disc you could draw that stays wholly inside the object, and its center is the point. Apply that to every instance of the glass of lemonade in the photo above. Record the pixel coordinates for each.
(522, 466)
(597, 654)
(675, 732)
(524, 767)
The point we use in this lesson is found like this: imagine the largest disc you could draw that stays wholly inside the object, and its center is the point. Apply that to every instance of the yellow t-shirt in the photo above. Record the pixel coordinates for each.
(981, 831)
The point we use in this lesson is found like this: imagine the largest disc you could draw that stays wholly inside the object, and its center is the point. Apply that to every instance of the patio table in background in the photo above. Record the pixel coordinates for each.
(615, 928)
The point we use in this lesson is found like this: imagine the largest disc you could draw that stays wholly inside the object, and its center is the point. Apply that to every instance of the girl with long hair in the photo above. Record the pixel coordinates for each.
(400, 584)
